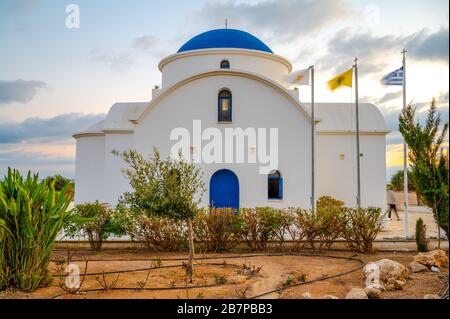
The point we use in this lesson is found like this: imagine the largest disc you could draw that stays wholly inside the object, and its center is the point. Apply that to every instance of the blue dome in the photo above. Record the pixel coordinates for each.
(225, 38)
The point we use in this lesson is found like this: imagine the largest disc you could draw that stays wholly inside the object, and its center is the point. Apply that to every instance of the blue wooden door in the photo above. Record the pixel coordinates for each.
(224, 189)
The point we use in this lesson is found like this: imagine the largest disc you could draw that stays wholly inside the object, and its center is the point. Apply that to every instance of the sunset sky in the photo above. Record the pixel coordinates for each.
(55, 81)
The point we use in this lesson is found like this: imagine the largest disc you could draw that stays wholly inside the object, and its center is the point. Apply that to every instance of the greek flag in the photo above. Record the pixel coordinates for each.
(393, 78)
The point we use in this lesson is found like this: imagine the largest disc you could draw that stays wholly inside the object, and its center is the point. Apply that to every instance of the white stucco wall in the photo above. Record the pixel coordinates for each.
(89, 169)
(180, 66)
(254, 105)
(337, 177)
(115, 183)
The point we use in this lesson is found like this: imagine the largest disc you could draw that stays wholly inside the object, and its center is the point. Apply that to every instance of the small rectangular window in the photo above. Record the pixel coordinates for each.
(224, 107)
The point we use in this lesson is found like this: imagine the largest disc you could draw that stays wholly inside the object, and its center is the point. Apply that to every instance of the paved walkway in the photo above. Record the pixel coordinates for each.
(397, 228)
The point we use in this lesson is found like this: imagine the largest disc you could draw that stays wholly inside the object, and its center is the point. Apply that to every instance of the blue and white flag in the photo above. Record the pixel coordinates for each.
(393, 78)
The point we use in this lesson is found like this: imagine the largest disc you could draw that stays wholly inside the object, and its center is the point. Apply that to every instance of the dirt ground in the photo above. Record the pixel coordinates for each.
(225, 275)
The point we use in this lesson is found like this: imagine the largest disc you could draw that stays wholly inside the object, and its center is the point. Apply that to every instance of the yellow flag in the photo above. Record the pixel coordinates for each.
(343, 79)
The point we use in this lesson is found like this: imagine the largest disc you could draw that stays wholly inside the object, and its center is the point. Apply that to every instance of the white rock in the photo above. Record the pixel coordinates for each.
(436, 257)
(330, 297)
(435, 269)
(417, 267)
(356, 293)
(385, 269)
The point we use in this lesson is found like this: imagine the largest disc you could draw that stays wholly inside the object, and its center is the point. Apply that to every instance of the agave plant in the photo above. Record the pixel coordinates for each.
(32, 214)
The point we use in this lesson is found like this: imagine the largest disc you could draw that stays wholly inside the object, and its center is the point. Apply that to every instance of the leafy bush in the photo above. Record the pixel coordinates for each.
(96, 221)
(310, 227)
(328, 202)
(331, 217)
(361, 226)
(217, 229)
(32, 214)
(159, 233)
(304, 228)
(421, 236)
(282, 228)
(261, 225)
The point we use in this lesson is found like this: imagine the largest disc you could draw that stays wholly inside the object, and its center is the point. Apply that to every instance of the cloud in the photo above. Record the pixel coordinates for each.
(21, 158)
(119, 61)
(372, 49)
(347, 44)
(19, 90)
(49, 129)
(154, 46)
(391, 116)
(389, 97)
(145, 42)
(279, 21)
(36, 162)
(18, 6)
(442, 97)
(430, 46)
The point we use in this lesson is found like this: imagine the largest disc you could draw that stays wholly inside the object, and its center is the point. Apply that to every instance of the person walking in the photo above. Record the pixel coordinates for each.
(392, 202)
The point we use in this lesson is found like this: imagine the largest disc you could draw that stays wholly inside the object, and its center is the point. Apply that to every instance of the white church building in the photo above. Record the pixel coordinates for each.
(228, 79)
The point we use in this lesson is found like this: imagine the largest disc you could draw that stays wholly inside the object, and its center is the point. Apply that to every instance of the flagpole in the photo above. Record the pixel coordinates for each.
(405, 151)
(313, 132)
(358, 167)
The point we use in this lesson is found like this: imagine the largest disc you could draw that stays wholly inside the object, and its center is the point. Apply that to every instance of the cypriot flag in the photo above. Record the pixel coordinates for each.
(298, 77)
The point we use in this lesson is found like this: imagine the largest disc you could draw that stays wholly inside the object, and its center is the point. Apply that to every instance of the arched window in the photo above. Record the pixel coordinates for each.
(225, 64)
(275, 185)
(224, 113)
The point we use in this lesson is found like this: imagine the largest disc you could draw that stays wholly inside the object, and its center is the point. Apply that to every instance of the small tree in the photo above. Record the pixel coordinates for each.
(168, 188)
(428, 161)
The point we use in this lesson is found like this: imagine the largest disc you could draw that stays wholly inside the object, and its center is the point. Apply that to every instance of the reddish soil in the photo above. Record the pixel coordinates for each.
(276, 271)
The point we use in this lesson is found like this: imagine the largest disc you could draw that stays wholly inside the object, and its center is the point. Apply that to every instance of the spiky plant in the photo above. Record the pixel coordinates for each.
(32, 214)
(421, 236)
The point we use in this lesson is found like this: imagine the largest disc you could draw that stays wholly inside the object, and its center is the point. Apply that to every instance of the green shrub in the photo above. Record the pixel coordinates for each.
(282, 228)
(217, 229)
(304, 228)
(159, 233)
(360, 227)
(331, 222)
(321, 227)
(97, 222)
(32, 214)
(328, 202)
(421, 236)
(261, 225)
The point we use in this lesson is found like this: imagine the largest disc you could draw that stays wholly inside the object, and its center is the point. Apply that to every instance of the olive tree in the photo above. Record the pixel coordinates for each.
(169, 187)
(428, 160)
